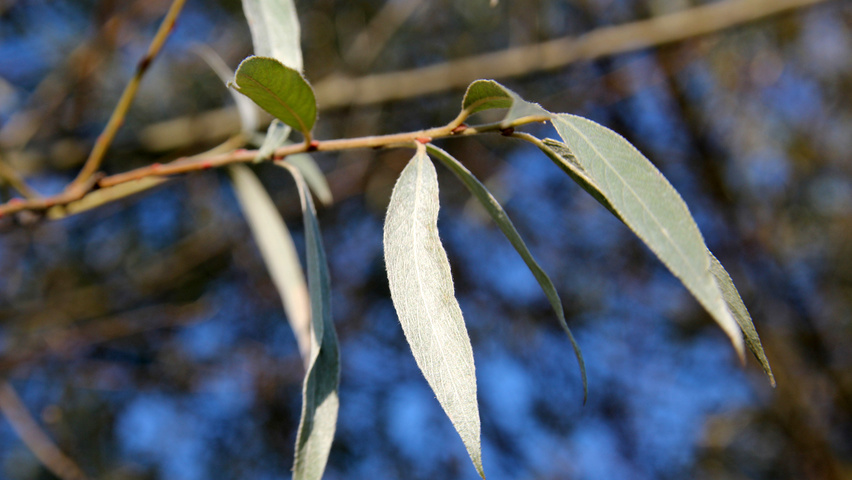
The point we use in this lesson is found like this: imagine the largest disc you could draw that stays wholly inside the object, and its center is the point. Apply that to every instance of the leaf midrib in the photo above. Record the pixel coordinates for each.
(298, 118)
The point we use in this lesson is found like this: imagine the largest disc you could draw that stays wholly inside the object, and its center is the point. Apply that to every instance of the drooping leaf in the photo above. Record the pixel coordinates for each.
(488, 94)
(275, 31)
(741, 315)
(320, 402)
(313, 176)
(647, 203)
(278, 252)
(276, 136)
(421, 287)
(278, 89)
(496, 211)
(247, 109)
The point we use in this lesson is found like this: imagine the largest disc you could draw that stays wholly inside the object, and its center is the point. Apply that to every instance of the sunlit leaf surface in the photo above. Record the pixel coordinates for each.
(650, 206)
(422, 291)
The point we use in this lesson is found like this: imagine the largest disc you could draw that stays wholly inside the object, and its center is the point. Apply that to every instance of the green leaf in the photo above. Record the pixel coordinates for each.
(421, 287)
(278, 89)
(488, 94)
(277, 250)
(320, 401)
(274, 29)
(741, 315)
(647, 203)
(502, 220)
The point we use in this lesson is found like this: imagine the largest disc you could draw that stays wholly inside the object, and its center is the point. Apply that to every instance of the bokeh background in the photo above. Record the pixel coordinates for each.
(146, 338)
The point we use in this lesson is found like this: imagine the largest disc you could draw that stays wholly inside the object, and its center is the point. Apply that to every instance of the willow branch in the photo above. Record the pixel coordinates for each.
(103, 189)
(34, 437)
(339, 91)
(93, 162)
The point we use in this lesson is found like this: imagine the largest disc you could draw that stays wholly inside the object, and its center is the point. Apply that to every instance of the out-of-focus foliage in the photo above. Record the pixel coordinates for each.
(149, 341)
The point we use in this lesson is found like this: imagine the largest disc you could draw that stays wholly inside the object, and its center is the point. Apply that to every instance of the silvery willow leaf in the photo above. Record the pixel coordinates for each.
(275, 31)
(277, 250)
(647, 203)
(421, 286)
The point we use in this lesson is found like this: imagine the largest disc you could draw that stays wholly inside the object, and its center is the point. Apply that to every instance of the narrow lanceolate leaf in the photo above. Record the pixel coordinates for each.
(488, 94)
(247, 109)
(276, 135)
(644, 200)
(274, 29)
(278, 89)
(741, 315)
(278, 252)
(502, 220)
(313, 176)
(320, 401)
(421, 287)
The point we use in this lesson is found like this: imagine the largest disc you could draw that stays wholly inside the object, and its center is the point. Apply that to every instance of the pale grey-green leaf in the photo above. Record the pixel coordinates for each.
(421, 287)
(741, 315)
(496, 211)
(275, 31)
(247, 109)
(648, 204)
(277, 250)
(320, 402)
(313, 176)
(276, 135)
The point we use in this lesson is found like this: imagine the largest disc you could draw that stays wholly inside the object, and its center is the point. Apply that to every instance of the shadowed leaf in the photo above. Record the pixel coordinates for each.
(320, 402)
(741, 315)
(495, 210)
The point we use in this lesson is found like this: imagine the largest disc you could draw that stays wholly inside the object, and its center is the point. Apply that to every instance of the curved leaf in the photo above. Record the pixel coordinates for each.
(320, 401)
(277, 250)
(274, 29)
(496, 211)
(245, 107)
(421, 287)
(647, 203)
(487, 94)
(278, 89)
(313, 176)
(741, 315)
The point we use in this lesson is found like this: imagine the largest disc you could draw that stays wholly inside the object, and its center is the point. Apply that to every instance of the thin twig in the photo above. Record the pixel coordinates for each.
(34, 437)
(339, 91)
(93, 163)
(205, 162)
(10, 176)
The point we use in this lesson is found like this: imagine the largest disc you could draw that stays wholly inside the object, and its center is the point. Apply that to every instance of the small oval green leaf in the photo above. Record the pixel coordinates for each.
(421, 286)
(280, 90)
(487, 94)
(501, 218)
(647, 203)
